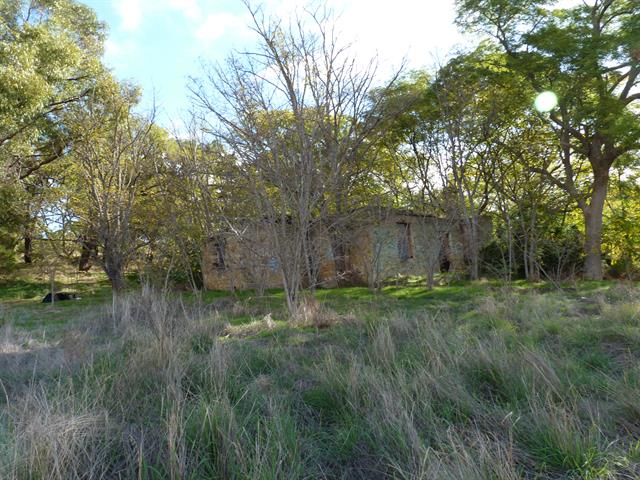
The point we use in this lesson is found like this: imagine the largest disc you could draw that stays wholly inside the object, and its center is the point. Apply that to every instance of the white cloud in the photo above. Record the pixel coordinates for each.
(133, 12)
(112, 48)
(218, 25)
(422, 31)
(417, 30)
(116, 52)
(130, 12)
(189, 8)
(392, 29)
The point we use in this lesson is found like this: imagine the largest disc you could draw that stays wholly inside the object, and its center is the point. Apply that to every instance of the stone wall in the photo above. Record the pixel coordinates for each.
(251, 263)
(377, 252)
(390, 245)
(247, 265)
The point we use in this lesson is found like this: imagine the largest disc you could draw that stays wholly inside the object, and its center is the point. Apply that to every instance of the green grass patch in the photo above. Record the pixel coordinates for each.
(469, 380)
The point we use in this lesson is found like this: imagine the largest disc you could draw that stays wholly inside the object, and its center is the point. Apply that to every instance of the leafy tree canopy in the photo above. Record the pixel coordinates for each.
(50, 58)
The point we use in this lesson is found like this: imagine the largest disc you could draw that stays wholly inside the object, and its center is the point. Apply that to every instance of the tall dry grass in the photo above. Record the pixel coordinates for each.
(514, 385)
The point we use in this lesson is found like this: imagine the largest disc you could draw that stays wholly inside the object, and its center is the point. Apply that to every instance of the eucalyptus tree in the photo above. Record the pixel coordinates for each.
(588, 56)
(50, 57)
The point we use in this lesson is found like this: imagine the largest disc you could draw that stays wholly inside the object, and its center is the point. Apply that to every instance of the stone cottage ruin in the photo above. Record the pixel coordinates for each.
(370, 249)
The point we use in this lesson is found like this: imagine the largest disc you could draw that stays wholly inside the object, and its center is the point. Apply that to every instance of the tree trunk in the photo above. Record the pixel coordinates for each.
(509, 267)
(115, 272)
(52, 280)
(28, 247)
(472, 247)
(431, 278)
(534, 270)
(88, 246)
(116, 277)
(474, 268)
(530, 249)
(292, 295)
(593, 227)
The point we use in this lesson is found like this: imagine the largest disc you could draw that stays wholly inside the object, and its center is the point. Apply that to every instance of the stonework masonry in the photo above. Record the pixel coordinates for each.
(398, 243)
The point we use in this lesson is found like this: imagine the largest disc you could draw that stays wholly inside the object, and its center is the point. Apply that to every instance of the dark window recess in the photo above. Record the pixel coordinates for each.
(219, 254)
(405, 249)
(445, 252)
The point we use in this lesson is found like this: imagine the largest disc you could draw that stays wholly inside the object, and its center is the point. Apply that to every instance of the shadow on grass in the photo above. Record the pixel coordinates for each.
(22, 290)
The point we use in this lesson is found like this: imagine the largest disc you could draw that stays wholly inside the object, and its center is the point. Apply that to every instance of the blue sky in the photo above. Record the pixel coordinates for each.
(158, 44)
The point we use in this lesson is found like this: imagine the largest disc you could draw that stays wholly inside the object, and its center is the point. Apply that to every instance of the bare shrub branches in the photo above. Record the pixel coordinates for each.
(299, 118)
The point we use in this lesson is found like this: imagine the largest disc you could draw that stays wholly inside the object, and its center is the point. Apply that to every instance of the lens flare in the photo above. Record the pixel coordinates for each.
(546, 101)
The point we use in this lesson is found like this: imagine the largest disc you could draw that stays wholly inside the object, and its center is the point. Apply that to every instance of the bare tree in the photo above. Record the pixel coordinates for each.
(298, 117)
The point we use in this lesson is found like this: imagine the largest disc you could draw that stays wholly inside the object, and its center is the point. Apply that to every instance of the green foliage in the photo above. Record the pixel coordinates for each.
(622, 235)
(587, 54)
(458, 142)
(50, 54)
(10, 226)
(561, 253)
